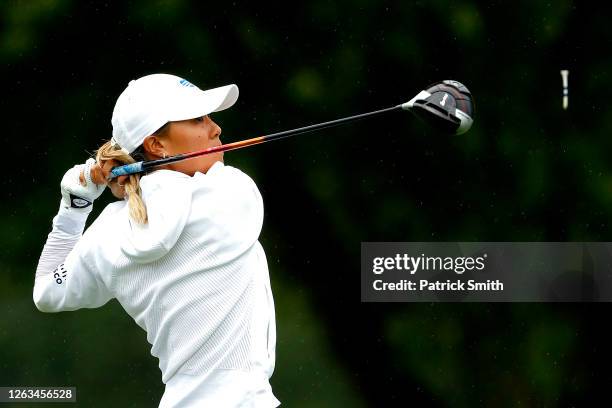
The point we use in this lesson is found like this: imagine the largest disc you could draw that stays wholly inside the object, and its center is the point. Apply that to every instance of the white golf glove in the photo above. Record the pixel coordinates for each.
(76, 195)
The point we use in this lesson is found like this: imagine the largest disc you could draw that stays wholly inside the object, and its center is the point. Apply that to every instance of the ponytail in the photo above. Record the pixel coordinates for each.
(138, 210)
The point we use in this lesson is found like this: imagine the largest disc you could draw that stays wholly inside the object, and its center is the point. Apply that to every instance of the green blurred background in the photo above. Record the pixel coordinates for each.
(527, 171)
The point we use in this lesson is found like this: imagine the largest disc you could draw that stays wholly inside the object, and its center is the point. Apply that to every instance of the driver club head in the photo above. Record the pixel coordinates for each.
(445, 105)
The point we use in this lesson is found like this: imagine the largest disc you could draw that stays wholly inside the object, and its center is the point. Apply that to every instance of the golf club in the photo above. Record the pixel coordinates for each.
(445, 105)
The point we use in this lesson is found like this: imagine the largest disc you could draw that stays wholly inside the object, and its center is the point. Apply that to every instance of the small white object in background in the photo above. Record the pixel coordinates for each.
(564, 75)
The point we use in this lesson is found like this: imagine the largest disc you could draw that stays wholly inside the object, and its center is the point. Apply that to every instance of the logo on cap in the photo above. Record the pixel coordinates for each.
(185, 82)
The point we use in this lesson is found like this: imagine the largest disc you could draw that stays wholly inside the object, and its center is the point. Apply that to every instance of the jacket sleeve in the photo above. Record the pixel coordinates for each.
(226, 214)
(64, 279)
(240, 210)
(244, 206)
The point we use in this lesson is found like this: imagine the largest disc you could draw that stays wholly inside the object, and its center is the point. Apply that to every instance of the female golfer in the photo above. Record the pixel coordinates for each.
(179, 251)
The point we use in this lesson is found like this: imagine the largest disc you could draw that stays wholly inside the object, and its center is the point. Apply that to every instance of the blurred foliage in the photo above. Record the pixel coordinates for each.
(526, 171)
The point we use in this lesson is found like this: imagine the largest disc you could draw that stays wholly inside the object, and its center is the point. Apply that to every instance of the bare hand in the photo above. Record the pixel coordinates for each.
(99, 175)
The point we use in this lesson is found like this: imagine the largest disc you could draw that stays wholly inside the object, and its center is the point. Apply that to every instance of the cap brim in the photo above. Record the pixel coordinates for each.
(206, 102)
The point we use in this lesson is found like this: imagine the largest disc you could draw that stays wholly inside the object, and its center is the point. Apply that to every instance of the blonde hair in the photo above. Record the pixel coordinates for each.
(138, 210)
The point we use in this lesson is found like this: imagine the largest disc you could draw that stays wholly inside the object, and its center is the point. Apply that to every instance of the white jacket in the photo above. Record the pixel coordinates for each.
(195, 278)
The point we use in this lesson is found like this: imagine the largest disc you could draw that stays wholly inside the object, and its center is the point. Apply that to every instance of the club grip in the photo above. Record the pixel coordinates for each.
(126, 170)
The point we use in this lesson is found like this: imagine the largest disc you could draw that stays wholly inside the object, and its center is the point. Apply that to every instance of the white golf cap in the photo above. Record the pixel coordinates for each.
(150, 102)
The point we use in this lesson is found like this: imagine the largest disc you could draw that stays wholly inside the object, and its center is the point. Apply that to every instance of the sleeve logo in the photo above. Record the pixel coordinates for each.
(60, 274)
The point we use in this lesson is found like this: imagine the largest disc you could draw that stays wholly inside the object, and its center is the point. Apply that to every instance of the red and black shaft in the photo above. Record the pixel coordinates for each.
(146, 165)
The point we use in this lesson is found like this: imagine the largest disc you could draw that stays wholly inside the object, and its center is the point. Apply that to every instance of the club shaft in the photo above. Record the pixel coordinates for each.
(146, 165)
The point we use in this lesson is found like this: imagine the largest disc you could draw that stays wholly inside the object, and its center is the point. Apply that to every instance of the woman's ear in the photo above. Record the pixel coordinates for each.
(154, 146)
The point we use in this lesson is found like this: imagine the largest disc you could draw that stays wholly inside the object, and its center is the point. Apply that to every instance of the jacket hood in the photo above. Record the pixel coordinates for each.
(167, 196)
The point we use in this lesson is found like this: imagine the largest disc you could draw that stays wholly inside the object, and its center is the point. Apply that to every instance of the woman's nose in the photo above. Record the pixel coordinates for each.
(216, 131)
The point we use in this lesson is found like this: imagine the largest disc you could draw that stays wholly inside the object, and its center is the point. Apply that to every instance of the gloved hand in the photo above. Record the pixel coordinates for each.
(78, 189)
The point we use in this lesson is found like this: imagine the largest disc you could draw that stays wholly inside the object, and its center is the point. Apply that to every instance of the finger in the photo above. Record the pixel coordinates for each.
(97, 174)
(82, 178)
(117, 189)
(107, 166)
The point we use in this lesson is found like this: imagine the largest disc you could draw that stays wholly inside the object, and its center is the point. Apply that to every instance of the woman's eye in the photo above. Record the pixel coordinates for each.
(200, 119)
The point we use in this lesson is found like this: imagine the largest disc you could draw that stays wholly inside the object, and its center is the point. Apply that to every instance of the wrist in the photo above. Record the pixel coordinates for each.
(71, 220)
